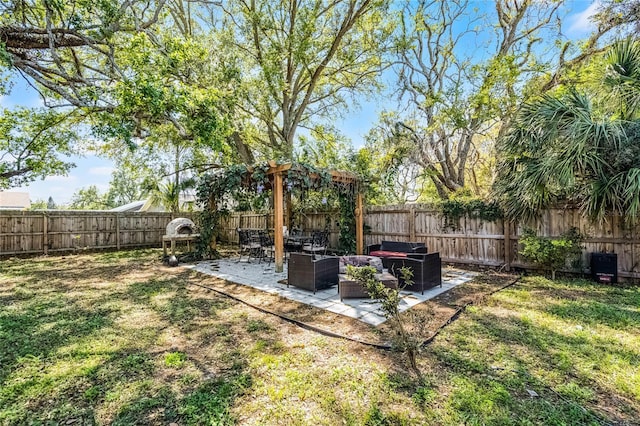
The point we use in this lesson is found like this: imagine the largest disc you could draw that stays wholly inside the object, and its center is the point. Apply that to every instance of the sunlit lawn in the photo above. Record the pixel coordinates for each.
(117, 338)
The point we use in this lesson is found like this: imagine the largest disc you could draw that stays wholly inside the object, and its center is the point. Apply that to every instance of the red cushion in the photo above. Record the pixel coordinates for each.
(384, 253)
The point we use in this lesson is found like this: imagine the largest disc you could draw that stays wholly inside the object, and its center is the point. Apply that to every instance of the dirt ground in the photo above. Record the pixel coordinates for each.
(429, 316)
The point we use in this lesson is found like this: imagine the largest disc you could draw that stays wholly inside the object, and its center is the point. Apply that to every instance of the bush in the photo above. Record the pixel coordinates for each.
(552, 253)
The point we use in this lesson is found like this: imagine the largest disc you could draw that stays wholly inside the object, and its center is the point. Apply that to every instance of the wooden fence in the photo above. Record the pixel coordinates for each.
(469, 241)
(46, 231)
(479, 242)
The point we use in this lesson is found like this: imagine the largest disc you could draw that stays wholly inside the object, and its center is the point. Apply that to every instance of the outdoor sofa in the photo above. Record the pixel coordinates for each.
(395, 249)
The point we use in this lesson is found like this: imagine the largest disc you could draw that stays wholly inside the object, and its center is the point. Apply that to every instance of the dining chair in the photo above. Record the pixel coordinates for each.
(249, 244)
(319, 243)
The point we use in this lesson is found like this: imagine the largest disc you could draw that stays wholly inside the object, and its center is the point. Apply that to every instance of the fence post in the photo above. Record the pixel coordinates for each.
(412, 223)
(118, 231)
(506, 226)
(359, 223)
(45, 237)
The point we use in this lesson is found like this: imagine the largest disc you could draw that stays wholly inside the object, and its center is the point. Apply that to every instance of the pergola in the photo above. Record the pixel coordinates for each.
(277, 171)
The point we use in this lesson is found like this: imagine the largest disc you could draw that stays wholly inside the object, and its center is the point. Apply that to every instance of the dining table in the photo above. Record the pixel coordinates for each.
(296, 242)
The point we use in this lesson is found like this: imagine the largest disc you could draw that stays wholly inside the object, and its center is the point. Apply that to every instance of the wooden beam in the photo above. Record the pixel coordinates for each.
(336, 175)
(340, 176)
(117, 231)
(276, 169)
(45, 237)
(278, 212)
(411, 216)
(506, 225)
(359, 224)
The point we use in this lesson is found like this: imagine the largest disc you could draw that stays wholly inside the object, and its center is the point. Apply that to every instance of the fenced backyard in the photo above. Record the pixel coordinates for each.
(466, 241)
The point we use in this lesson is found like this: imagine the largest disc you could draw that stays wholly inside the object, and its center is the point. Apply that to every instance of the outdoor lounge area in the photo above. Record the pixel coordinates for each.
(264, 277)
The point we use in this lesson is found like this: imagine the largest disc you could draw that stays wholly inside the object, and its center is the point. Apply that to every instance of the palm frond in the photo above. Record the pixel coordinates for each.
(622, 77)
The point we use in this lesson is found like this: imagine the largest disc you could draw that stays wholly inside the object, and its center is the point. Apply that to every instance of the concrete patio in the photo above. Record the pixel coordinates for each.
(262, 276)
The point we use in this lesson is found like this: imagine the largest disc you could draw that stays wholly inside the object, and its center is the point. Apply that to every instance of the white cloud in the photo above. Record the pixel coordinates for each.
(582, 21)
(101, 171)
(69, 179)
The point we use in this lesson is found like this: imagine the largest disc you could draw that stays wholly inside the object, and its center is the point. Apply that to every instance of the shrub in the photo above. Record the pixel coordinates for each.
(552, 253)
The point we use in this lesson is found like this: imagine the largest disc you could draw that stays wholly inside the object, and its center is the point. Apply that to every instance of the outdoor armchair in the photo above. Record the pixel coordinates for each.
(312, 274)
(426, 268)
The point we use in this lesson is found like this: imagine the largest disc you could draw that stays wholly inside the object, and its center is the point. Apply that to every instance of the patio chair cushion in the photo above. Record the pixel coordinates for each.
(386, 253)
(360, 261)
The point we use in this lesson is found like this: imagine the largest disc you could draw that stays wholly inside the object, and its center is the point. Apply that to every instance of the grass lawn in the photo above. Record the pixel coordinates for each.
(118, 338)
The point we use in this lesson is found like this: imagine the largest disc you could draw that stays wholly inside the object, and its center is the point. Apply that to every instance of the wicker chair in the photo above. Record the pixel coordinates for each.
(312, 274)
(427, 270)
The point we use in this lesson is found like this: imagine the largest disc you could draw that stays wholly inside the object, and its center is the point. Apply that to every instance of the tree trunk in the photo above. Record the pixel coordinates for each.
(175, 203)
(246, 156)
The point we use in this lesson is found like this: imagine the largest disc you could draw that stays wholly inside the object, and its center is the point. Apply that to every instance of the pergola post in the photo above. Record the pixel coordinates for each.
(359, 224)
(278, 213)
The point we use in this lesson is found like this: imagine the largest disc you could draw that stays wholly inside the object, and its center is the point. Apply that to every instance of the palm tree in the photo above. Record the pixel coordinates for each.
(167, 194)
(565, 147)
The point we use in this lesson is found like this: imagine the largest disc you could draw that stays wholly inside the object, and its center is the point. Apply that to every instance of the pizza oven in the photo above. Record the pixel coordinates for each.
(180, 226)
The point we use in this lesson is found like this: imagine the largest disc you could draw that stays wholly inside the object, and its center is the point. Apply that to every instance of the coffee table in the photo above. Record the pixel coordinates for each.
(349, 288)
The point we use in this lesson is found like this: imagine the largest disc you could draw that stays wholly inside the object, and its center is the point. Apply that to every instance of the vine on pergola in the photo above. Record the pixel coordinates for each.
(219, 191)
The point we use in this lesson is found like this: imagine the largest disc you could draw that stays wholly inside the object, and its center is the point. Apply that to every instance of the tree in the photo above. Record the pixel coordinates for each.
(88, 198)
(51, 205)
(38, 204)
(125, 186)
(33, 144)
(68, 47)
(616, 13)
(453, 97)
(386, 163)
(407, 328)
(137, 70)
(457, 100)
(301, 59)
(552, 253)
(578, 147)
(167, 194)
(173, 111)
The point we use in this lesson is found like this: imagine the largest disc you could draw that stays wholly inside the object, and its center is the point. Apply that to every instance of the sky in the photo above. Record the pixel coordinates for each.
(92, 170)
